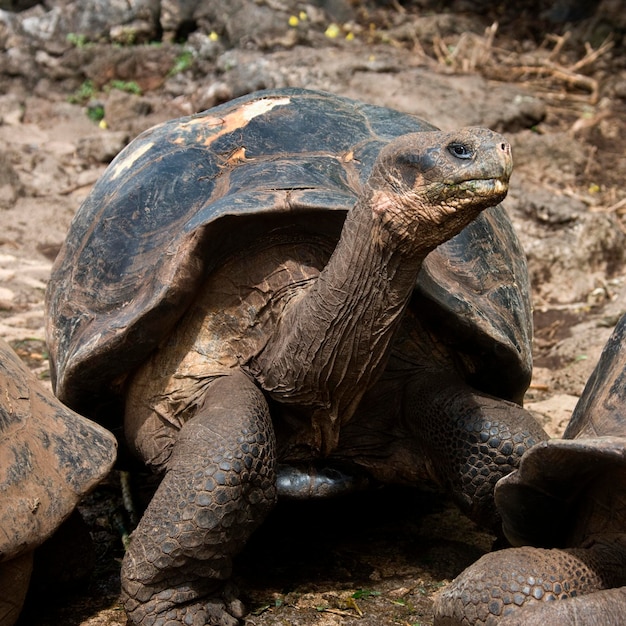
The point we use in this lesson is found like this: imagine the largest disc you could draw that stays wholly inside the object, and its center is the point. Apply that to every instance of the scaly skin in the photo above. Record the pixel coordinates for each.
(601, 608)
(220, 483)
(471, 440)
(530, 585)
(535, 586)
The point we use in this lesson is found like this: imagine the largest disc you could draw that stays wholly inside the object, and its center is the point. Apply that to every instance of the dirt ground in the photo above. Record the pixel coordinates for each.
(557, 90)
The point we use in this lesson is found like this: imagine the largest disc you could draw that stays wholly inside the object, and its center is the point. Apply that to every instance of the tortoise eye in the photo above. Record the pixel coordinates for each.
(460, 151)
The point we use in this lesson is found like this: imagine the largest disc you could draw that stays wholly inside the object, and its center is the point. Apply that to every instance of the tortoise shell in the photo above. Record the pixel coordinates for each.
(184, 194)
(556, 476)
(601, 410)
(50, 458)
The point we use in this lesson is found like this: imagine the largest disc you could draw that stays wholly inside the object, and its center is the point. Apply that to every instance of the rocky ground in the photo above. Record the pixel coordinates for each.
(74, 92)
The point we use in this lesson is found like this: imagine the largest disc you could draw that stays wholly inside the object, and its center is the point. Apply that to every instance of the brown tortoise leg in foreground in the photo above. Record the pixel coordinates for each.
(555, 587)
(218, 485)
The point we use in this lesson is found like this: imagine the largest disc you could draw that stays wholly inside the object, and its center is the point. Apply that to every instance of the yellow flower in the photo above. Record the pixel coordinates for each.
(213, 36)
(332, 31)
(294, 21)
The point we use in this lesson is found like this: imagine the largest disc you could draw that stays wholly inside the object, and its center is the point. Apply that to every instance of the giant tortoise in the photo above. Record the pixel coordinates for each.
(263, 292)
(566, 505)
(49, 458)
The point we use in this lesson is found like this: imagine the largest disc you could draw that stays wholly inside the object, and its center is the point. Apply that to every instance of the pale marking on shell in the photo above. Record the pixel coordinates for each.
(127, 162)
(237, 119)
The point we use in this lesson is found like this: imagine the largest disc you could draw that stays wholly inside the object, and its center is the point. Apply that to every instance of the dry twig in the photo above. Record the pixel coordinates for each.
(470, 53)
(561, 74)
(619, 208)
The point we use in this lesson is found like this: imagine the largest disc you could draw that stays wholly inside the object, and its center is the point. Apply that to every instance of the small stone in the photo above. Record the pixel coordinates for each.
(102, 147)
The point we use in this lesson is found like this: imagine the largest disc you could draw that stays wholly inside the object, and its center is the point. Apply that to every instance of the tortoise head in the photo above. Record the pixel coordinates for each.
(426, 187)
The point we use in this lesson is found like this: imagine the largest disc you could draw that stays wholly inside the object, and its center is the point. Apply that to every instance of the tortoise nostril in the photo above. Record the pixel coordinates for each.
(505, 147)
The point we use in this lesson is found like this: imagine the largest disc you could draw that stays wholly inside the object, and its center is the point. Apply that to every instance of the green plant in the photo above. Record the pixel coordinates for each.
(183, 62)
(77, 40)
(84, 93)
(129, 86)
(95, 113)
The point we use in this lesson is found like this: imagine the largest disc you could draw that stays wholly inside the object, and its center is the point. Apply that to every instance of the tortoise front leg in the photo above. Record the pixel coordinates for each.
(470, 439)
(218, 487)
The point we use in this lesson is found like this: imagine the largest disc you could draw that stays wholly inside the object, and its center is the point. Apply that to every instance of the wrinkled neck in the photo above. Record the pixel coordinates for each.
(333, 340)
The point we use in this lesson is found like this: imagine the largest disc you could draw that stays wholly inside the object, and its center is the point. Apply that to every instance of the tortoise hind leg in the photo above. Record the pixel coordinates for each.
(218, 487)
(471, 439)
